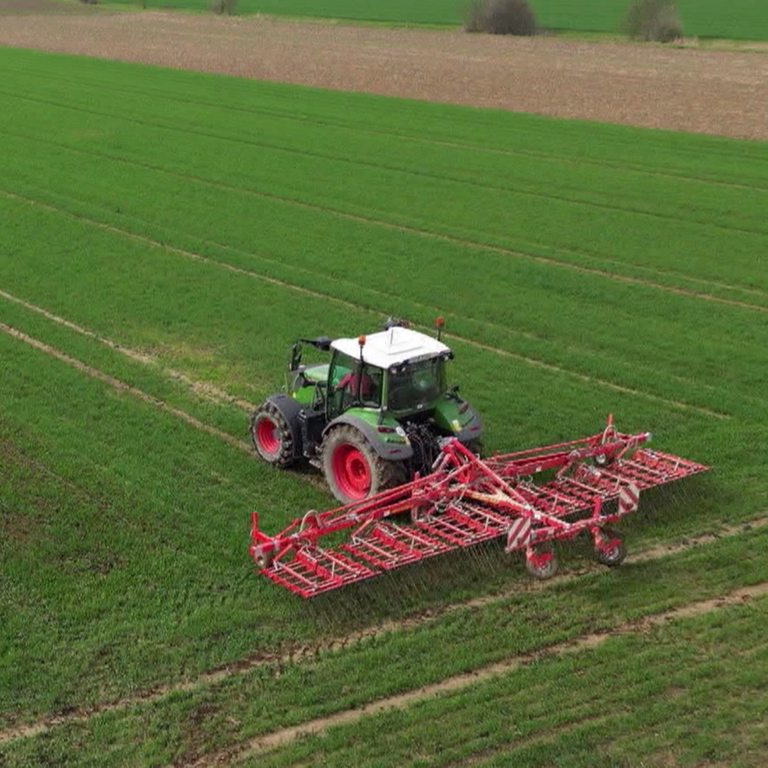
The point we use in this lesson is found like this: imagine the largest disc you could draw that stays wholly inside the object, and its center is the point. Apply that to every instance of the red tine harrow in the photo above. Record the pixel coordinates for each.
(587, 485)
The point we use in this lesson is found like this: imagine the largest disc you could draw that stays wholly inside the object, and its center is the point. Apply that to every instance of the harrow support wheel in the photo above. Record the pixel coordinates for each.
(609, 548)
(541, 562)
(263, 560)
(352, 467)
(271, 436)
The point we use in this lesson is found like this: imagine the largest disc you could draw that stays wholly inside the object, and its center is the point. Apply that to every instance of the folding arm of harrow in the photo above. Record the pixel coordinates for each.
(588, 484)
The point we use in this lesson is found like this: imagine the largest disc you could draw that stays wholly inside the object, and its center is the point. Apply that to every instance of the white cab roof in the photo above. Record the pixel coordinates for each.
(392, 347)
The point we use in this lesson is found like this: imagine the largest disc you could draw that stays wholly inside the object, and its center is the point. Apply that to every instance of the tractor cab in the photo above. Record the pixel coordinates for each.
(396, 371)
(371, 416)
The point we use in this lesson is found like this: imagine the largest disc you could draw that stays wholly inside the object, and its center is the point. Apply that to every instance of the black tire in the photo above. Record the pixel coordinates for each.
(271, 436)
(614, 556)
(347, 446)
(548, 569)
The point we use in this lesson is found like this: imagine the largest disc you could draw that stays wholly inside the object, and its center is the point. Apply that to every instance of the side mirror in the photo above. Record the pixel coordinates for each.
(323, 343)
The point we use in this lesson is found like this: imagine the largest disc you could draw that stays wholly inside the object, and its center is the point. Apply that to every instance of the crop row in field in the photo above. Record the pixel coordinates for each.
(104, 445)
(204, 223)
(690, 693)
(741, 19)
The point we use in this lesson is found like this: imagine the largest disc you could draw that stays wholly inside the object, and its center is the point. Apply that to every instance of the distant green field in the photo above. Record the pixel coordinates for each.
(201, 223)
(740, 19)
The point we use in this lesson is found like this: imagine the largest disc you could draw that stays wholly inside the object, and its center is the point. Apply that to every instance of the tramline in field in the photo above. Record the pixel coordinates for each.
(588, 484)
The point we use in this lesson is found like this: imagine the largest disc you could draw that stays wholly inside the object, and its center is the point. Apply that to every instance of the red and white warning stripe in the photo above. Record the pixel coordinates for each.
(629, 499)
(519, 533)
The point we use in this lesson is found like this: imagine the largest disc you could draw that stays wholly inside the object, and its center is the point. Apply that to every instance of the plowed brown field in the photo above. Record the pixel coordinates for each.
(715, 92)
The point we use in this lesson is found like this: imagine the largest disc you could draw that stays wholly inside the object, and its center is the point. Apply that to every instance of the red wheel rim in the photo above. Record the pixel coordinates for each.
(267, 436)
(351, 471)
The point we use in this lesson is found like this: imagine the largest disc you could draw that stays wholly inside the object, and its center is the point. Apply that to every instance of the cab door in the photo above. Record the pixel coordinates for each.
(352, 384)
(340, 366)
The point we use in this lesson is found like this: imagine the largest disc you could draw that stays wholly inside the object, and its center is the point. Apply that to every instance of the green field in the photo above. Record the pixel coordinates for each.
(739, 20)
(704, 704)
(176, 231)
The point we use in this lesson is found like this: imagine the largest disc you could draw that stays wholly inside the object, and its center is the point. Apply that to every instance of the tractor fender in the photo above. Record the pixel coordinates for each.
(386, 451)
(472, 430)
(290, 409)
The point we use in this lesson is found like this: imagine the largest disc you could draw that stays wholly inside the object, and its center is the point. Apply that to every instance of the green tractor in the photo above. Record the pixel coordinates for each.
(372, 416)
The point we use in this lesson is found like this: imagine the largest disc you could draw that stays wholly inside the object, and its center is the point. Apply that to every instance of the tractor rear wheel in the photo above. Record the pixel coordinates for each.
(271, 436)
(353, 469)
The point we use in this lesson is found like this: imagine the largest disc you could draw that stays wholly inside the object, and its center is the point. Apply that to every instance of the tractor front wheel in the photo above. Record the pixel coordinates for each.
(271, 436)
(352, 467)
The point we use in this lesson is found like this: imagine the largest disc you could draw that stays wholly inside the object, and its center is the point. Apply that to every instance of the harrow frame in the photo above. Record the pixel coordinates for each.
(590, 484)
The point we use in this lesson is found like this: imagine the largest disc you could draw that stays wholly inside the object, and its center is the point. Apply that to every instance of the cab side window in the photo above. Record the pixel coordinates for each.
(353, 383)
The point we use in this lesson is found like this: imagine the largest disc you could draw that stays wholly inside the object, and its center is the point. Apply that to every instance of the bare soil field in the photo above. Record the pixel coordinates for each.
(715, 92)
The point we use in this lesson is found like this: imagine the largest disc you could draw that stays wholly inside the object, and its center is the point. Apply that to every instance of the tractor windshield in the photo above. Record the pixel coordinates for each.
(414, 385)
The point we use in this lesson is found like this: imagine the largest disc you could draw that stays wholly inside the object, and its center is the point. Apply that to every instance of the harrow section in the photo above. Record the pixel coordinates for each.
(585, 485)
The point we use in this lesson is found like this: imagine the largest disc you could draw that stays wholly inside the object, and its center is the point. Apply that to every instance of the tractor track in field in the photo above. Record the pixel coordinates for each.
(463, 241)
(412, 302)
(9, 449)
(714, 92)
(139, 394)
(338, 644)
(589, 379)
(677, 404)
(203, 389)
(215, 394)
(280, 738)
(121, 386)
(562, 262)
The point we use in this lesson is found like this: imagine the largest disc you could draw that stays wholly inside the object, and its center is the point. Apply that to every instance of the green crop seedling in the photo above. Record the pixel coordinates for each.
(164, 234)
